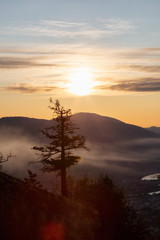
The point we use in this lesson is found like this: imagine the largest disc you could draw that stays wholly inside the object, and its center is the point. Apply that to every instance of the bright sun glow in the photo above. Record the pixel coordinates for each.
(81, 82)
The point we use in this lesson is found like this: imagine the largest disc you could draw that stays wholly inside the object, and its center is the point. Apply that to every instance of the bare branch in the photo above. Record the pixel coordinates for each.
(5, 159)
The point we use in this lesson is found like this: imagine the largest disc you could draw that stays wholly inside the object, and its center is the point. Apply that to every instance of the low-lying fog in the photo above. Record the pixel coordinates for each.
(127, 163)
(137, 157)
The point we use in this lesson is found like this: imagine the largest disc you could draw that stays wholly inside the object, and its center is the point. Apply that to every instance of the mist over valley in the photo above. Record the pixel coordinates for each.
(114, 145)
(126, 153)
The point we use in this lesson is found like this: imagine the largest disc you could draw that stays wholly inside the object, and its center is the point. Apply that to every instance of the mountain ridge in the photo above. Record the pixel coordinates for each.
(94, 127)
(113, 128)
(154, 129)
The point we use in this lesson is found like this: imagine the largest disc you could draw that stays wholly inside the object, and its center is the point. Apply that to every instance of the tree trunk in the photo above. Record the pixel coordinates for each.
(64, 191)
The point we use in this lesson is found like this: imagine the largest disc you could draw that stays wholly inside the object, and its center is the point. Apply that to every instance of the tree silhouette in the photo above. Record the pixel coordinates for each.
(4, 159)
(58, 155)
(31, 180)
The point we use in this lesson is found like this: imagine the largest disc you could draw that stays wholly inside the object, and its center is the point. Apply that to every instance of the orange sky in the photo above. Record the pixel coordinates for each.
(109, 50)
(139, 110)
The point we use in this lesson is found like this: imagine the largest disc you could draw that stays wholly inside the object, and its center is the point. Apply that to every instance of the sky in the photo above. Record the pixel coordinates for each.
(96, 56)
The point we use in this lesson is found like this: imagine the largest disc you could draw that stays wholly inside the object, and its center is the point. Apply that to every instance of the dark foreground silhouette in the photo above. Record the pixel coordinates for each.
(95, 210)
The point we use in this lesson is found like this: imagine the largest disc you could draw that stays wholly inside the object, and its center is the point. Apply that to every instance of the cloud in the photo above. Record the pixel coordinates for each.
(140, 53)
(152, 49)
(40, 49)
(17, 62)
(41, 31)
(26, 88)
(141, 85)
(68, 29)
(118, 24)
(141, 68)
(63, 24)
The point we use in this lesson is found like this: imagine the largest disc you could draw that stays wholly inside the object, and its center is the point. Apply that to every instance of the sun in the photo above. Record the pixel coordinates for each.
(81, 82)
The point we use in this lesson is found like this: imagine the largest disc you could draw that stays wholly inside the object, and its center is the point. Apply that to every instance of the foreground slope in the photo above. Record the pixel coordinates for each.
(28, 212)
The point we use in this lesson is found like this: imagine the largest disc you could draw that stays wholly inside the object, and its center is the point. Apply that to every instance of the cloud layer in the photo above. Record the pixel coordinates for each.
(141, 85)
(26, 88)
(17, 62)
(48, 68)
(140, 68)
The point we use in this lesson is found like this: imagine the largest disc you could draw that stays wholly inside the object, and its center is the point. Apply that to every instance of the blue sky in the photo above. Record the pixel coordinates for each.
(138, 21)
(43, 42)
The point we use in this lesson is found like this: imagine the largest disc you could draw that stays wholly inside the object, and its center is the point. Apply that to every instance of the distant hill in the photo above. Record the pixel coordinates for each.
(94, 127)
(106, 129)
(154, 129)
(22, 125)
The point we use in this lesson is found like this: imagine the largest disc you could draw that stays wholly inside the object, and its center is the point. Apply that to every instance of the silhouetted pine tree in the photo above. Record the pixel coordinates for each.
(58, 155)
(32, 181)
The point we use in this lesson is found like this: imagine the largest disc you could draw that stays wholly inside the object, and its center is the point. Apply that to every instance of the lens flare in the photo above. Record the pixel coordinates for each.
(53, 231)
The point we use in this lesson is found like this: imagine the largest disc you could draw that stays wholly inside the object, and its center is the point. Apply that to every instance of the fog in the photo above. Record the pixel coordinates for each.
(13, 141)
(137, 157)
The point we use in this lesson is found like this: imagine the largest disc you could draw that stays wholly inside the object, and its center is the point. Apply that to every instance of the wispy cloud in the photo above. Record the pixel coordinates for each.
(68, 29)
(41, 31)
(18, 62)
(118, 24)
(151, 49)
(26, 88)
(141, 68)
(140, 53)
(40, 49)
(138, 85)
(63, 24)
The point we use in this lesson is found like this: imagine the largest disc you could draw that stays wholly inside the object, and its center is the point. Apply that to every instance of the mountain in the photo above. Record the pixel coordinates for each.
(94, 127)
(106, 129)
(154, 129)
(30, 127)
